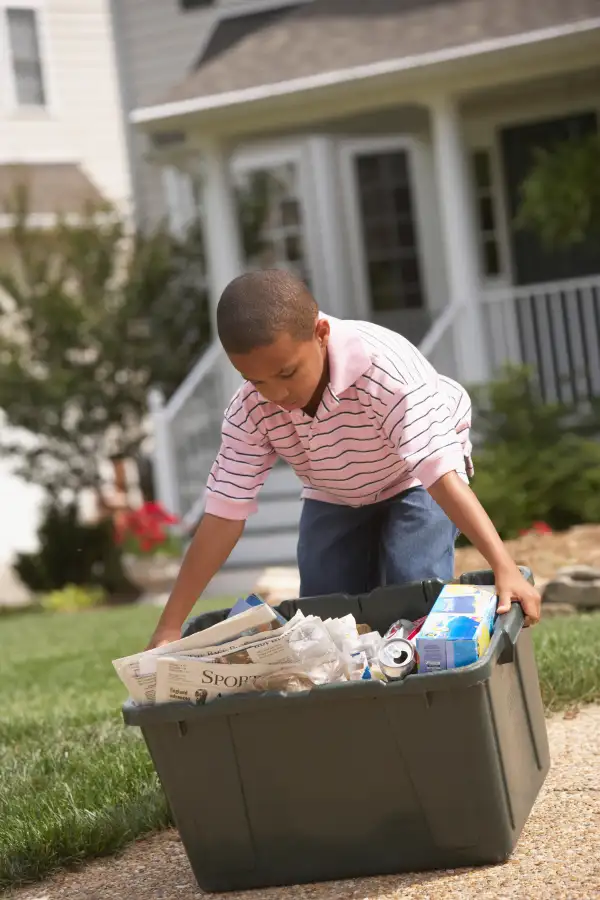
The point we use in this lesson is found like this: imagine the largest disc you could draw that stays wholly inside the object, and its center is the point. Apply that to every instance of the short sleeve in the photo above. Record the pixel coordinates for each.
(244, 460)
(419, 424)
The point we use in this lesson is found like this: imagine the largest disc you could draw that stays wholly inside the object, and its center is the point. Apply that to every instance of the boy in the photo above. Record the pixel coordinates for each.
(378, 438)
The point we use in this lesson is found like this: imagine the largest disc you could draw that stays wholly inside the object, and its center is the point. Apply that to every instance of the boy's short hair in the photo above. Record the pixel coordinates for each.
(256, 307)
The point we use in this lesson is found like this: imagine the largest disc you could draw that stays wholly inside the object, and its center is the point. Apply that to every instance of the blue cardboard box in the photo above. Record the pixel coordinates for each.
(457, 631)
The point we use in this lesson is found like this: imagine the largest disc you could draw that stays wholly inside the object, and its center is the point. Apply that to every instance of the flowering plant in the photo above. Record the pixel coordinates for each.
(537, 528)
(143, 531)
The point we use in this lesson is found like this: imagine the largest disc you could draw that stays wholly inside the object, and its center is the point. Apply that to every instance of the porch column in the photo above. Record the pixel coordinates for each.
(457, 214)
(222, 237)
(323, 226)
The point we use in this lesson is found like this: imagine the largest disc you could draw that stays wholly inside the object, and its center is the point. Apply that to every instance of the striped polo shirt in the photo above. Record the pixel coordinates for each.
(387, 422)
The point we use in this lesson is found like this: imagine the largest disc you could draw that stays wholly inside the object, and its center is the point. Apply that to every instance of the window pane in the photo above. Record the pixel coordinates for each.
(290, 212)
(293, 248)
(375, 202)
(271, 214)
(398, 167)
(410, 272)
(388, 230)
(30, 91)
(491, 257)
(413, 298)
(24, 45)
(406, 234)
(369, 170)
(402, 201)
(486, 214)
(481, 164)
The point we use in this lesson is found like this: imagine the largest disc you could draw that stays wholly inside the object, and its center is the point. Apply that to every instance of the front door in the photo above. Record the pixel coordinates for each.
(532, 262)
(388, 251)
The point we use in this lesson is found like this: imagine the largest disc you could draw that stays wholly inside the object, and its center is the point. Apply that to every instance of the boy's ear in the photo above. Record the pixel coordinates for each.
(322, 331)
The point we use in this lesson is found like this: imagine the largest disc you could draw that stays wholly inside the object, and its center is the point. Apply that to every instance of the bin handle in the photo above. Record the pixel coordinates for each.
(511, 624)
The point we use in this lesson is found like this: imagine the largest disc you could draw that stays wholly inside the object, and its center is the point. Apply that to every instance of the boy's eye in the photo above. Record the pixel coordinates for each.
(289, 374)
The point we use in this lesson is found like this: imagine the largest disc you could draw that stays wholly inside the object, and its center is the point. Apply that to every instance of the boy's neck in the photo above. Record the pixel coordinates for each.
(312, 406)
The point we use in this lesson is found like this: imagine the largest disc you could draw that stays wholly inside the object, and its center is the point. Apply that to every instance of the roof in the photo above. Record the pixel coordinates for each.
(53, 188)
(331, 35)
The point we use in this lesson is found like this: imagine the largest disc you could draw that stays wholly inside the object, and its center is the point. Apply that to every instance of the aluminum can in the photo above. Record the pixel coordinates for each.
(400, 629)
(397, 658)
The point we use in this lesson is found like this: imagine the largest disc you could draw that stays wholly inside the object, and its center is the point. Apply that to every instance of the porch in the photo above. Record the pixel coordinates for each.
(397, 207)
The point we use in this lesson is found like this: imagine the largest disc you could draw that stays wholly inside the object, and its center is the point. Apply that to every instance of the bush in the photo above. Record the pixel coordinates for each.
(71, 553)
(73, 598)
(531, 464)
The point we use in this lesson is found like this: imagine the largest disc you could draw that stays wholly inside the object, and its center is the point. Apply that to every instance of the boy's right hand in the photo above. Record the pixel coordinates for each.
(214, 540)
(164, 634)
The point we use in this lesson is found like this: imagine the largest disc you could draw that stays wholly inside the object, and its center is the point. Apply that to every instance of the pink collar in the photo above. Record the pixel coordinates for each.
(348, 356)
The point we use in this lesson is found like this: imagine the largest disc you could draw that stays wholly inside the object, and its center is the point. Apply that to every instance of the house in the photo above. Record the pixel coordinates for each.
(394, 136)
(62, 134)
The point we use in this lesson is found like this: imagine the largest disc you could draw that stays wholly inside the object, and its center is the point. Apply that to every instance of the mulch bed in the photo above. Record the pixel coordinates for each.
(545, 554)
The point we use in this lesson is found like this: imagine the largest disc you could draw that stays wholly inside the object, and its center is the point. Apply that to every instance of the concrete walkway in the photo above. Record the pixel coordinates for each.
(557, 858)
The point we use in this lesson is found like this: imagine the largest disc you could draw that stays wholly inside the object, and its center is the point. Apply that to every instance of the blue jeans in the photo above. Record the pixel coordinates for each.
(350, 550)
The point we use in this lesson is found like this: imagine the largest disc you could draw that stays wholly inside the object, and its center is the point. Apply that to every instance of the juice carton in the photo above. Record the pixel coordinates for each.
(458, 629)
(246, 603)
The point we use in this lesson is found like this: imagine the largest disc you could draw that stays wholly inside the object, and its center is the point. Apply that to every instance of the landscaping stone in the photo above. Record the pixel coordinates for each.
(578, 586)
(557, 609)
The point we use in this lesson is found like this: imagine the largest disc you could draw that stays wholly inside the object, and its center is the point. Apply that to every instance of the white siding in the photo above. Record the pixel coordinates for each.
(83, 121)
(158, 44)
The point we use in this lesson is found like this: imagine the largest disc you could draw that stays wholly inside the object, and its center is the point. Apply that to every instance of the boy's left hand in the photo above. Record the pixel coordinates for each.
(512, 587)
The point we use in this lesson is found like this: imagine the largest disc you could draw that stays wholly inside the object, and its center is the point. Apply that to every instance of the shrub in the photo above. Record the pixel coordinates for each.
(71, 553)
(73, 598)
(531, 463)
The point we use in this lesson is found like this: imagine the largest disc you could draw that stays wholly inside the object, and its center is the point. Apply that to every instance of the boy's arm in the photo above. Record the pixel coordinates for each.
(214, 540)
(462, 506)
(238, 473)
(417, 420)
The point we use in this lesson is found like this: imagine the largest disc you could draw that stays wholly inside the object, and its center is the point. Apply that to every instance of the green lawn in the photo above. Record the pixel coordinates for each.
(74, 782)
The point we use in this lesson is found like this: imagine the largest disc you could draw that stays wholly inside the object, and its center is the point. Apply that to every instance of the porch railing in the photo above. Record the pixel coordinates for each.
(187, 434)
(555, 329)
(438, 344)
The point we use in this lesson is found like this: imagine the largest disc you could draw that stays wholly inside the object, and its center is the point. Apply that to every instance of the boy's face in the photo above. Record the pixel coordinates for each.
(287, 372)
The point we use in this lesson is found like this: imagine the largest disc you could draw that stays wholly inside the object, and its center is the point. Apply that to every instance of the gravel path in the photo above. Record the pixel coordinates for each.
(557, 858)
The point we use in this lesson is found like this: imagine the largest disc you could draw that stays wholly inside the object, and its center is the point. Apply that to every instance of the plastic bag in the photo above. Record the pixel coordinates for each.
(317, 654)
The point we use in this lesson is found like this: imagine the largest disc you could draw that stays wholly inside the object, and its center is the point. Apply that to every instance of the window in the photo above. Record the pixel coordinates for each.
(271, 218)
(25, 54)
(389, 233)
(489, 246)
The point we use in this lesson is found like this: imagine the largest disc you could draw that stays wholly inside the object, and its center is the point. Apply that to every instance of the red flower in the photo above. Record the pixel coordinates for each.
(144, 528)
(157, 512)
(537, 528)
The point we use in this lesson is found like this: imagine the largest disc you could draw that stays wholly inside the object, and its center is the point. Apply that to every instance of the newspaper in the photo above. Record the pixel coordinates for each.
(274, 648)
(302, 648)
(200, 681)
(138, 671)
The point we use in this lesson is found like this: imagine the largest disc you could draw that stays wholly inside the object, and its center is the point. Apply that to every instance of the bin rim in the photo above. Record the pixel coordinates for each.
(505, 635)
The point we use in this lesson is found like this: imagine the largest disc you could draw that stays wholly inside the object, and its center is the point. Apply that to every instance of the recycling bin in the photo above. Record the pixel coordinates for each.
(364, 778)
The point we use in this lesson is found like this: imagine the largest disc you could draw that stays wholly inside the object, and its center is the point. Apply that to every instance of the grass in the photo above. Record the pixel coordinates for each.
(75, 783)
(568, 660)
